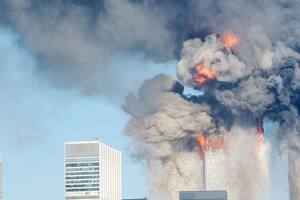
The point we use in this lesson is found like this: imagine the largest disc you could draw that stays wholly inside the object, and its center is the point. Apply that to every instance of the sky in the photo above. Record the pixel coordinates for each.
(66, 68)
(37, 119)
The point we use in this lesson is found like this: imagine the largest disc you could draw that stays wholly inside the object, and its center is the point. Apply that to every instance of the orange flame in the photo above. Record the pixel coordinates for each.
(211, 143)
(202, 75)
(230, 40)
(260, 131)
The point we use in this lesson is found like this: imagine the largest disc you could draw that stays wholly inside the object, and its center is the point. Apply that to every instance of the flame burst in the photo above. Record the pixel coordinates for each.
(230, 40)
(216, 142)
(211, 143)
(260, 131)
(202, 75)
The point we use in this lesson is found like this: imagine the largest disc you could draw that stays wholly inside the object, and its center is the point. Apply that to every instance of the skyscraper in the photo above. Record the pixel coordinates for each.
(214, 169)
(294, 176)
(220, 174)
(215, 172)
(92, 171)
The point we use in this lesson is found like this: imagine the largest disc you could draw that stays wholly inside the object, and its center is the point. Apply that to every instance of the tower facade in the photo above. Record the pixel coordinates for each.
(216, 176)
(220, 173)
(92, 171)
(294, 176)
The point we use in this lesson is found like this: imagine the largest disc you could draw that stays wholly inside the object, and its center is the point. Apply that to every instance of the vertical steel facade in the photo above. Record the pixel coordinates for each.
(219, 174)
(294, 176)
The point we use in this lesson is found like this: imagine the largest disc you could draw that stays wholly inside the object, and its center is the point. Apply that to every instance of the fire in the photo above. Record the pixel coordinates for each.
(202, 75)
(230, 40)
(260, 131)
(211, 143)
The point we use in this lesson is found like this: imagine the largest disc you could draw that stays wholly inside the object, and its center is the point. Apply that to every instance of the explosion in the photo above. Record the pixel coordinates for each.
(230, 40)
(202, 75)
(229, 113)
(208, 143)
(260, 131)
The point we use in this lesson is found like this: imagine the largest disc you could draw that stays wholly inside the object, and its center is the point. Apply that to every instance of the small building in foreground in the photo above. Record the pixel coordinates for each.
(203, 195)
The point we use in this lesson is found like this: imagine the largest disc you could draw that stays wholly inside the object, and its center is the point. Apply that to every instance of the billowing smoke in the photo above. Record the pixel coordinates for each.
(244, 78)
(77, 41)
(163, 124)
(242, 54)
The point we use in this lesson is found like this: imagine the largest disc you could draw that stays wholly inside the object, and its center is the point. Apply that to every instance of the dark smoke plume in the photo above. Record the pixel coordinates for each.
(258, 78)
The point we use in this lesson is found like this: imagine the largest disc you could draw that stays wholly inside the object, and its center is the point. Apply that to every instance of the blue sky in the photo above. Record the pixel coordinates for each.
(36, 119)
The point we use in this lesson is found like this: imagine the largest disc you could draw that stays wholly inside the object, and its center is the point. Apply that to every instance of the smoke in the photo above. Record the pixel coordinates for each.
(76, 44)
(163, 123)
(257, 78)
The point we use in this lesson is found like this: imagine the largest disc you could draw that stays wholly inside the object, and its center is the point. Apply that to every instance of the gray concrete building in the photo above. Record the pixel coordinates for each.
(203, 195)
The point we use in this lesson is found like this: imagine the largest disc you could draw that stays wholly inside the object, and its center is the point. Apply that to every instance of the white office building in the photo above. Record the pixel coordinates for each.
(92, 171)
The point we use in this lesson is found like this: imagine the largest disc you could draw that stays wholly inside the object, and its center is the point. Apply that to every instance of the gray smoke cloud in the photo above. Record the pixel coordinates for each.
(163, 123)
(164, 126)
(257, 78)
(77, 42)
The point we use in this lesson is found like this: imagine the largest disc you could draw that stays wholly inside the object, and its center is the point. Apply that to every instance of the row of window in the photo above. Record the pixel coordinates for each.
(82, 185)
(82, 181)
(82, 169)
(82, 190)
(81, 177)
(82, 164)
(89, 159)
(82, 173)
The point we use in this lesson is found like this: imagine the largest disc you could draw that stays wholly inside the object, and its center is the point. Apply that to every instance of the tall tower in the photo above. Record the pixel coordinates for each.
(294, 176)
(224, 170)
(216, 173)
(214, 169)
(92, 171)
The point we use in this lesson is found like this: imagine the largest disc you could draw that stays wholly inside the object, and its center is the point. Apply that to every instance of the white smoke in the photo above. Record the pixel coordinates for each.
(182, 171)
(163, 134)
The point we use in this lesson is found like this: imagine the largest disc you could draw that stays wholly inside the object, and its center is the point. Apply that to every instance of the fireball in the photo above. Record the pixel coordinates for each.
(230, 40)
(260, 131)
(202, 75)
(211, 143)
